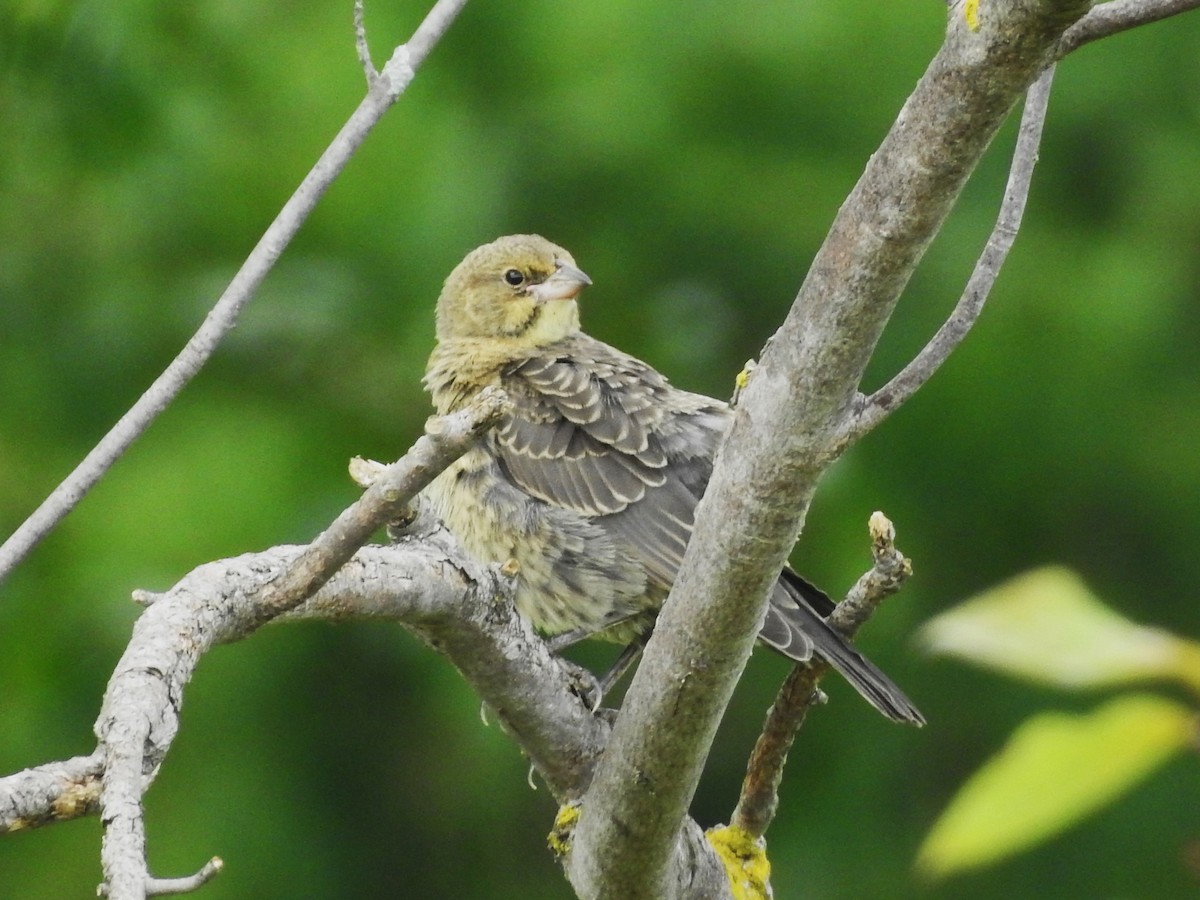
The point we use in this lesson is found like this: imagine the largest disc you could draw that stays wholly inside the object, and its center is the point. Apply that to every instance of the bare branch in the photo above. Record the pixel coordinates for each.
(1102, 21)
(140, 714)
(760, 789)
(430, 585)
(890, 570)
(55, 792)
(764, 771)
(874, 409)
(1107, 19)
(384, 91)
(426, 582)
(161, 887)
(362, 47)
(446, 439)
(784, 434)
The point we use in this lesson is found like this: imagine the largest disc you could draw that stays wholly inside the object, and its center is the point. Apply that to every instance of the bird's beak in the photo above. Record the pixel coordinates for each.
(565, 284)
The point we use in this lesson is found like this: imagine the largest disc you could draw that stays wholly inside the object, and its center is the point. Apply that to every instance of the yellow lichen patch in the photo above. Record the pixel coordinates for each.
(745, 861)
(559, 837)
(742, 381)
(971, 14)
(77, 800)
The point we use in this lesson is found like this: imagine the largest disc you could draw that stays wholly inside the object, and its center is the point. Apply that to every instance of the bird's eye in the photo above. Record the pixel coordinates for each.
(514, 277)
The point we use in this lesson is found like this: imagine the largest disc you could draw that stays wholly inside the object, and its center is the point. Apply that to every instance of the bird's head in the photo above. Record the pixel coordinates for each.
(520, 287)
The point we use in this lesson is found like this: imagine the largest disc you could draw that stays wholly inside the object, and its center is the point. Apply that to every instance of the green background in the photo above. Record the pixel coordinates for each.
(691, 156)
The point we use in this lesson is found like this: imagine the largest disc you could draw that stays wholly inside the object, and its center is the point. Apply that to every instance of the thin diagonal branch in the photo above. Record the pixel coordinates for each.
(1106, 19)
(361, 47)
(764, 772)
(383, 92)
(874, 409)
(446, 439)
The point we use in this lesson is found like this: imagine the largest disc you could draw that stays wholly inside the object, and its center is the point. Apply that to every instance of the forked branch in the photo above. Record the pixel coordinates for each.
(872, 410)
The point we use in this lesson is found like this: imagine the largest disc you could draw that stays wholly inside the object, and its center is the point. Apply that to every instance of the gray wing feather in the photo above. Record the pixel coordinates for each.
(796, 627)
(602, 434)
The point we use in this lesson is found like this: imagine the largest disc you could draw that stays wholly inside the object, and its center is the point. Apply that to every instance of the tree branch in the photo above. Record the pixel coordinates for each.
(874, 409)
(1107, 19)
(1102, 21)
(767, 470)
(140, 714)
(383, 92)
(361, 47)
(760, 789)
(428, 584)
(445, 440)
(160, 887)
(55, 792)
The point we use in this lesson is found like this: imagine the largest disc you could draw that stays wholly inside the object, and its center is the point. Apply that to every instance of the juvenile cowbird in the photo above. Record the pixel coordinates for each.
(590, 484)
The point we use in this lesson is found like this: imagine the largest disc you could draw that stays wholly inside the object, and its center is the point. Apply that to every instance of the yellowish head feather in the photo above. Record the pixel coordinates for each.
(520, 288)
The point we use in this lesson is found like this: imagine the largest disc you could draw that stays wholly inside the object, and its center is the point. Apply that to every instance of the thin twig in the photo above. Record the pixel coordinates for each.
(361, 46)
(759, 797)
(764, 771)
(384, 92)
(446, 439)
(161, 887)
(874, 409)
(890, 570)
(1107, 19)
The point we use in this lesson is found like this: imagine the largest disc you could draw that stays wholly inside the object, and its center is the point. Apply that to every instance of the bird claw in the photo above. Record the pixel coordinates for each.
(583, 684)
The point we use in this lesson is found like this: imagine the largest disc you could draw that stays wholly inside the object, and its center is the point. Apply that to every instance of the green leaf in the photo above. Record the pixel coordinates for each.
(1055, 769)
(1047, 625)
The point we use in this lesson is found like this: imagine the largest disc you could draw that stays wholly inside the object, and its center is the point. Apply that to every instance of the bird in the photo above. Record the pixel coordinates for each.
(588, 487)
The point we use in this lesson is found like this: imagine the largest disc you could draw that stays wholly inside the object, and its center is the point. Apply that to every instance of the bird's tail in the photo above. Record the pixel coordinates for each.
(795, 626)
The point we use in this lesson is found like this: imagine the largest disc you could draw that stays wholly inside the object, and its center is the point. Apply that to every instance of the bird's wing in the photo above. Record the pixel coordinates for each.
(600, 433)
(604, 435)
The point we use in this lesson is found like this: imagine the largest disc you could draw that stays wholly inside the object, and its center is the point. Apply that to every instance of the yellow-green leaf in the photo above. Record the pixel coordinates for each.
(1048, 626)
(1055, 769)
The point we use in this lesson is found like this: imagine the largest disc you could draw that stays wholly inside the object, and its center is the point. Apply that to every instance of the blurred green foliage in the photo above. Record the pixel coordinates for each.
(1058, 768)
(691, 157)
